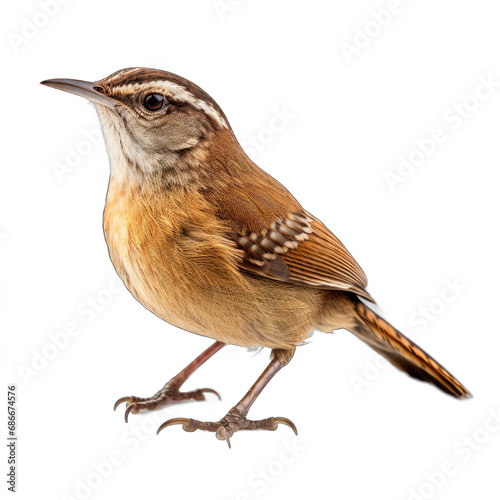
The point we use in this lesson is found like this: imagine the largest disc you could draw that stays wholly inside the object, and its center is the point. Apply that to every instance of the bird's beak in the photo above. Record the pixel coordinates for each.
(89, 90)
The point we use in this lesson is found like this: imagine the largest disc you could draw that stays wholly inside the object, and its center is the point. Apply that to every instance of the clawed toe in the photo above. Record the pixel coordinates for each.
(286, 421)
(227, 426)
(127, 399)
(132, 406)
(188, 424)
(210, 391)
(163, 397)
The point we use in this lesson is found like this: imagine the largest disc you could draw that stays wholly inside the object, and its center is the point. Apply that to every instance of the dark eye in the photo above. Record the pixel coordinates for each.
(155, 102)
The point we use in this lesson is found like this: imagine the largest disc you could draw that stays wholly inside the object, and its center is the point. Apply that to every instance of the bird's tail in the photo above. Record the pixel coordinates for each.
(403, 353)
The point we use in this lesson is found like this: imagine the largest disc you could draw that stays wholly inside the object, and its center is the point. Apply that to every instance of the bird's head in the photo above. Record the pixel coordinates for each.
(155, 123)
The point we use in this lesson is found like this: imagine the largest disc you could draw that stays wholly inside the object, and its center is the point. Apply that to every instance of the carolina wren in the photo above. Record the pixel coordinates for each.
(210, 243)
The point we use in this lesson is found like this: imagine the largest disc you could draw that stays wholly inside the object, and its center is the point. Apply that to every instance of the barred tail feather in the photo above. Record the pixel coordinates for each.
(403, 353)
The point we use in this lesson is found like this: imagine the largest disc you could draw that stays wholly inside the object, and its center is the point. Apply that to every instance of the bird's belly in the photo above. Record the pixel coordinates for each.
(189, 279)
(241, 313)
(234, 314)
(150, 281)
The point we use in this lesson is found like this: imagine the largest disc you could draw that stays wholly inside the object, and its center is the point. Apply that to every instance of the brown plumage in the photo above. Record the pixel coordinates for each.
(210, 243)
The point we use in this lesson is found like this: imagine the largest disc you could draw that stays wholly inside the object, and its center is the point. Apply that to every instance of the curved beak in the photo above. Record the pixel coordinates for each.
(90, 90)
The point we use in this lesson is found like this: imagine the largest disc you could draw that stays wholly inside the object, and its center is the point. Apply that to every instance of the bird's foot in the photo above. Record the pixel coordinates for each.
(170, 393)
(235, 420)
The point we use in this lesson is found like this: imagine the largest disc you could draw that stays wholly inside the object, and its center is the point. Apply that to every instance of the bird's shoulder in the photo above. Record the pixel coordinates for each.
(280, 239)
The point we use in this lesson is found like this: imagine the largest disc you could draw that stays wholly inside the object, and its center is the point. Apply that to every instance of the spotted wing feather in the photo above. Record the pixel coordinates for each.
(299, 249)
(279, 239)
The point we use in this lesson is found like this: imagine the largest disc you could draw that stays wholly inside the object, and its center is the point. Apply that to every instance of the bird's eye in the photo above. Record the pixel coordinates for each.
(155, 102)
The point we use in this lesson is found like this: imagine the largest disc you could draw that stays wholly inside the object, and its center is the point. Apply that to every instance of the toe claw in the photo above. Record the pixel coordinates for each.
(211, 391)
(174, 421)
(228, 425)
(221, 433)
(128, 410)
(120, 401)
(286, 421)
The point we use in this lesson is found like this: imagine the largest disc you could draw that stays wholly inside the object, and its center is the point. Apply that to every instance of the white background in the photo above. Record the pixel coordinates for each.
(364, 431)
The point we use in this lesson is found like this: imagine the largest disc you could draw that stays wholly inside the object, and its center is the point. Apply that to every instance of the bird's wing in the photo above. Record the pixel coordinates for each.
(300, 249)
(282, 241)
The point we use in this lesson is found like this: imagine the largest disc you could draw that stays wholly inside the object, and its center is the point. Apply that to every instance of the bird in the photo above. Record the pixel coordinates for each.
(212, 244)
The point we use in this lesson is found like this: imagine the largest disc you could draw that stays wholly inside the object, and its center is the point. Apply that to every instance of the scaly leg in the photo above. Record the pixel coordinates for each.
(170, 392)
(235, 419)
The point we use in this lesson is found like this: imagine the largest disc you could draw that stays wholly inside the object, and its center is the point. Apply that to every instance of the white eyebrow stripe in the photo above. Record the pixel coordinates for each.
(180, 93)
(120, 74)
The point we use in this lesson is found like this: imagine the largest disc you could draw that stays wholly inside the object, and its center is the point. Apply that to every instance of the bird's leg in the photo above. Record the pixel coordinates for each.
(235, 419)
(170, 393)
